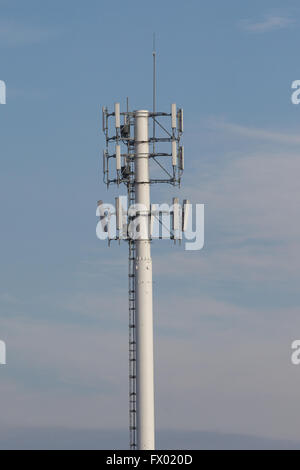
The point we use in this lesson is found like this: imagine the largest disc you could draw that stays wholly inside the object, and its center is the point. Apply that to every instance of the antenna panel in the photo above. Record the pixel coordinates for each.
(118, 157)
(180, 120)
(175, 214)
(174, 152)
(117, 115)
(185, 215)
(119, 214)
(103, 118)
(173, 113)
(104, 161)
(181, 157)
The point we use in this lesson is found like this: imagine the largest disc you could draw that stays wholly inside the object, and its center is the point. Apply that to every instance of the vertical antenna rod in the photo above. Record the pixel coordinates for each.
(154, 91)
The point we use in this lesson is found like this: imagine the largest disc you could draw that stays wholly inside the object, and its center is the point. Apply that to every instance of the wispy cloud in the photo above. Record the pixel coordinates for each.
(14, 33)
(254, 133)
(270, 23)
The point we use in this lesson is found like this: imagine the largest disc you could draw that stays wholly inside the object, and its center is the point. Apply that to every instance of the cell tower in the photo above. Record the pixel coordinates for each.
(126, 160)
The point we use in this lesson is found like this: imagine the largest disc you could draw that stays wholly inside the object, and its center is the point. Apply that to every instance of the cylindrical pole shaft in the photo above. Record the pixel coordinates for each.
(143, 304)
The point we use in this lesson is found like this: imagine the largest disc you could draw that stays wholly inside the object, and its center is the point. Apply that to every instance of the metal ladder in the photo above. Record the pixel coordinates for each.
(132, 321)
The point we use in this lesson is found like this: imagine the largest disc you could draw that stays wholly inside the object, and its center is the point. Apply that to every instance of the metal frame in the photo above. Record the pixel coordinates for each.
(117, 138)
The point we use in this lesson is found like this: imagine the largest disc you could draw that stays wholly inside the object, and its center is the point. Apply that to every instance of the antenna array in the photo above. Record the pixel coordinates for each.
(119, 152)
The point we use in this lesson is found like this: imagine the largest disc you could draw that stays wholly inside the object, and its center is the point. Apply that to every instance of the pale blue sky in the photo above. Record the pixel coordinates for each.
(224, 317)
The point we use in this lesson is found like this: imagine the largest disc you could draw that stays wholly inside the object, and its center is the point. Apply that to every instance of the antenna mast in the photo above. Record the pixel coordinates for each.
(126, 160)
(154, 91)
